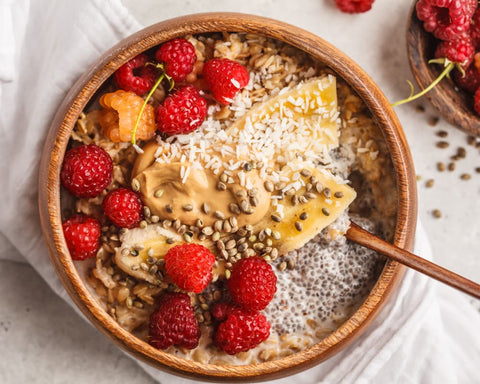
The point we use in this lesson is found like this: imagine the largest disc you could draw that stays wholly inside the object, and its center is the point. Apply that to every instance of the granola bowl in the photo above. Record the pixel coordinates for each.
(307, 144)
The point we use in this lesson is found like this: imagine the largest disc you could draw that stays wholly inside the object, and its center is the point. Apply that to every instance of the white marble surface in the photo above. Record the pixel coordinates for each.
(42, 340)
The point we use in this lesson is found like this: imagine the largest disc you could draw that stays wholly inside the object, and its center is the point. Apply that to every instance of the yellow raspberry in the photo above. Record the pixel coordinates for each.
(119, 112)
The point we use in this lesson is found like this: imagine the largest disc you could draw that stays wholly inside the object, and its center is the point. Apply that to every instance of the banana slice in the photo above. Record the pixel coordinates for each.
(140, 243)
(300, 216)
(303, 120)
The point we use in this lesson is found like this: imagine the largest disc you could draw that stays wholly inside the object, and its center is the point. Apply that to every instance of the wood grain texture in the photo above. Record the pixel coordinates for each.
(452, 103)
(365, 238)
(88, 84)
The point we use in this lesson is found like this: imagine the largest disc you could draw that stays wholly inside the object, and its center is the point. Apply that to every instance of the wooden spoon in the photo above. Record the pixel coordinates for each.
(365, 238)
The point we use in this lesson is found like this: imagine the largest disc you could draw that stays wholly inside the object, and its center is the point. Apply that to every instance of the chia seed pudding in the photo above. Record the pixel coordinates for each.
(321, 277)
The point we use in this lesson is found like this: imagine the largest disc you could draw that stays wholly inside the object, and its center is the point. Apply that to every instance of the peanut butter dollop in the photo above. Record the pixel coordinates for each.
(168, 197)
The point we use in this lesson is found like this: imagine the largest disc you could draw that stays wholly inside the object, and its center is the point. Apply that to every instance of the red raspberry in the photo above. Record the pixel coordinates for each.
(468, 82)
(242, 331)
(476, 101)
(475, 29)
(174, 323)
(86, 170)
(181, 112)
(354, 6)
(179, 57)
(225, 78)
(123, 207)
(135, 76)
(190, 266)
(220, 311)
(82, 234)
(252, 283)
(460, 50)
(446, 19)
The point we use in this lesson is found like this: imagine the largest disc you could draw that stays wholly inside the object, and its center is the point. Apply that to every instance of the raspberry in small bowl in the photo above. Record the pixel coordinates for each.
(433, 36)
(222, 250)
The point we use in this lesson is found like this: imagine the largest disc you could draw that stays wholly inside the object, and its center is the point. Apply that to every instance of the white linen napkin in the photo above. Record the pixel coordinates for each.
(423, 334)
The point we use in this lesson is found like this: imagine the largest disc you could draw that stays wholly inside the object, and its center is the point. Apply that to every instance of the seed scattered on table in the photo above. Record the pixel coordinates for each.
(441, 166)
(433, 121)
(437, 213)
(465, 176)
(443, 144)
(471, 140)
(442, 133)
(420, 108)
(461, 152)
(451, 167)
(429, 183)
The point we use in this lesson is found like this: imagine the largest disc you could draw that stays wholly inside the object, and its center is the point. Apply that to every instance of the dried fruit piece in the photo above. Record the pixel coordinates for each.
(119, 114)
(174, 323)
(86, 170)
(82, 235)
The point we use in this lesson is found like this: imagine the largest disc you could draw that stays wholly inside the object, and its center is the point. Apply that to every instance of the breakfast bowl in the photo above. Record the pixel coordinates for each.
(452, 102)
(362, 165)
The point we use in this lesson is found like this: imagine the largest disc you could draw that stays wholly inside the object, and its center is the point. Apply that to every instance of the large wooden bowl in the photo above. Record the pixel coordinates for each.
(90, 82)
(451, 102)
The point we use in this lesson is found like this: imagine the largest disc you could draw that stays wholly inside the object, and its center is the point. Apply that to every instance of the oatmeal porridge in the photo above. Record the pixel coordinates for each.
(273, 171)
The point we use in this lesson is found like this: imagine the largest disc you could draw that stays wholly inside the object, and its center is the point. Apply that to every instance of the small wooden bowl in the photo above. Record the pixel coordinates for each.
(89, 83)
(452, 103)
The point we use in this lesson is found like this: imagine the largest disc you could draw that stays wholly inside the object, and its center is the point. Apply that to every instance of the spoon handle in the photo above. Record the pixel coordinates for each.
(365, 238)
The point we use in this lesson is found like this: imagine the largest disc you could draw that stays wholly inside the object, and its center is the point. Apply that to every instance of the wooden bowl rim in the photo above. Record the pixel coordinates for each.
(451, 102)
(88, 84)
